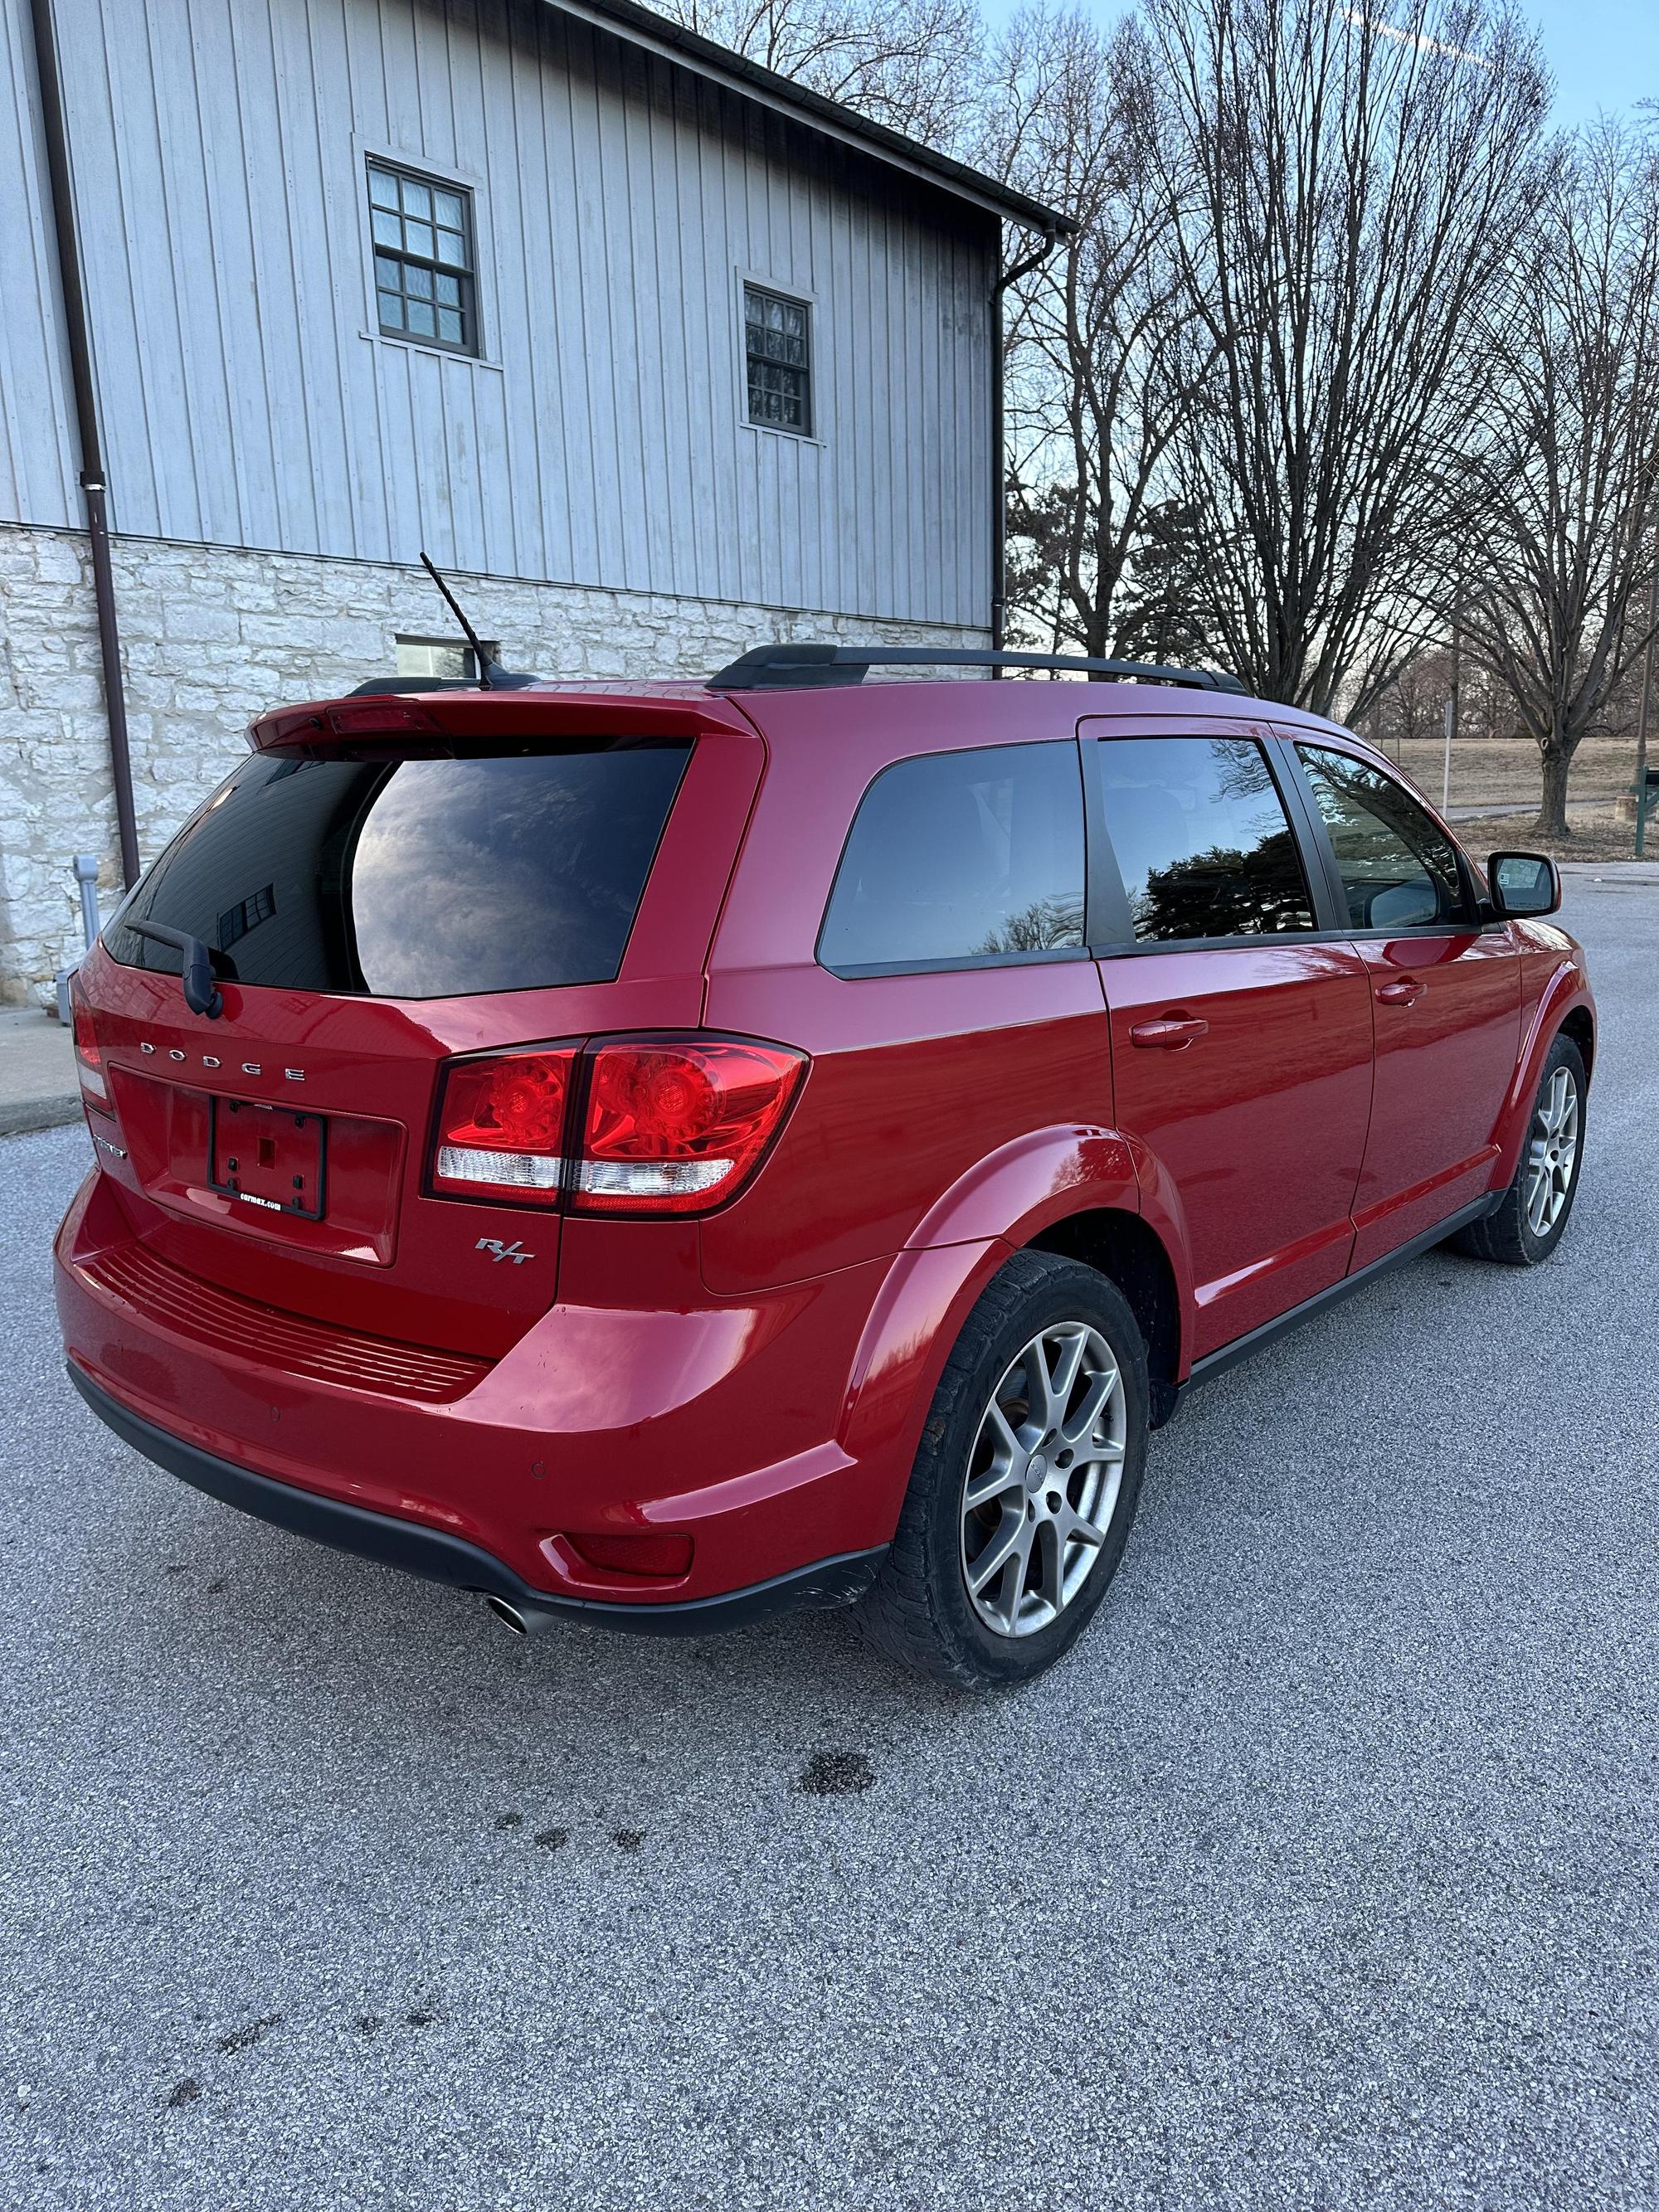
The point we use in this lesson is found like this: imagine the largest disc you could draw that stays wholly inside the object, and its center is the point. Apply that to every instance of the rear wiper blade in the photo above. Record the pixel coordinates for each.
(202, 994)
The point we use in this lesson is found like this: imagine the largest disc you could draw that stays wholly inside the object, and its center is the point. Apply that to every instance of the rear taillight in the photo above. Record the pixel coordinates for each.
(88, 1054)
(641, 1126)
(501, 1127)
(676, 1126)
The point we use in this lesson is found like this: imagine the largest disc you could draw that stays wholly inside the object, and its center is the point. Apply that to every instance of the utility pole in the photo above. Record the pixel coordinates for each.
(1642, 716)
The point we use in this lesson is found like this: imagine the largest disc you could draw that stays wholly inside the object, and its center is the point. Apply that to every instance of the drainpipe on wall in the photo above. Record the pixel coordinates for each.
(999, 459)
(61, 191)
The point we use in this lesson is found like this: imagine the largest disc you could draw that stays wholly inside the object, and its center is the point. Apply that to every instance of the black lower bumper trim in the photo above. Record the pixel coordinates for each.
(441, 1557)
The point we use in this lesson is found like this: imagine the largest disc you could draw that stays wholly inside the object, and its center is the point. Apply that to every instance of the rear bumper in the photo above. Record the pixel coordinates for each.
(441, 1557)
(720, 1420)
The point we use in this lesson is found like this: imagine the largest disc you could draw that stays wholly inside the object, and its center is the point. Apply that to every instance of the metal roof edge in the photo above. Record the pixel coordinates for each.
(643, 26)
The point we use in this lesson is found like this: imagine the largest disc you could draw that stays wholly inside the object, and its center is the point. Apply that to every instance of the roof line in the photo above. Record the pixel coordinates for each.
(643, 26)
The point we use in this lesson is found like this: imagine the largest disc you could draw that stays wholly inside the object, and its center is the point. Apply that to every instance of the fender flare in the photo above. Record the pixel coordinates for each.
(1564, 994)
(1001, 1204)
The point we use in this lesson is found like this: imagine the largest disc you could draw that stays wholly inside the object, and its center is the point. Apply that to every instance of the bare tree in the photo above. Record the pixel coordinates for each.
(1349, 185)
(1094, 358)
(1411, 708)
(912, 64)
(1553, 588)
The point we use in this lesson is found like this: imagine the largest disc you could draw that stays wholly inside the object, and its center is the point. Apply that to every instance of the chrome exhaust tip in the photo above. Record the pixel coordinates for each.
(507, 1613)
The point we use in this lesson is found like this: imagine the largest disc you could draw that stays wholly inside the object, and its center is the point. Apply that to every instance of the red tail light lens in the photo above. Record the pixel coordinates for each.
(676, 1126)
(669, 1124)
(501, 1127)
(88, 1054)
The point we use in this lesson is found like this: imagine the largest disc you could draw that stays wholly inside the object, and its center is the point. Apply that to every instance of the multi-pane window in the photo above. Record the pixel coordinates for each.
(423, 259)
(777, 350)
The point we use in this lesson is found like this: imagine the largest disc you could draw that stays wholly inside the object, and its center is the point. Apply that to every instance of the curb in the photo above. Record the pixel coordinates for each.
(19, 1116)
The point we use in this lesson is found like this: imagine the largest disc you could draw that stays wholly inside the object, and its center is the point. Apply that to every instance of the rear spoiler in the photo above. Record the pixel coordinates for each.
(487, 719)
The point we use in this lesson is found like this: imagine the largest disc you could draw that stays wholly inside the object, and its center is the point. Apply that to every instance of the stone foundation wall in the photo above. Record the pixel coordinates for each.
(212, 637)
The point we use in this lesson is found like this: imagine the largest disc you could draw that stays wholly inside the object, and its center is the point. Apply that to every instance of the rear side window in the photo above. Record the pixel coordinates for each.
(1202, 840)
(1399, 870)
(420, 878)
(957, 858)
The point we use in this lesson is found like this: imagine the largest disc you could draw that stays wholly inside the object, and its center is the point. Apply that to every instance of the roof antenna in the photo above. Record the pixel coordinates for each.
(492, 677)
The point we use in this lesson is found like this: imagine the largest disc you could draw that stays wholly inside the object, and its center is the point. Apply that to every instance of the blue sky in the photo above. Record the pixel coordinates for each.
(1605, 53)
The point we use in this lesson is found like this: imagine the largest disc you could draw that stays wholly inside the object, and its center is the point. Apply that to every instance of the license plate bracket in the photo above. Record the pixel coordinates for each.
(269, 1156)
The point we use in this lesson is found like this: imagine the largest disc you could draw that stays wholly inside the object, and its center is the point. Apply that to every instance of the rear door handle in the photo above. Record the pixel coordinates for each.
(1401, 994)
(1170, 1033)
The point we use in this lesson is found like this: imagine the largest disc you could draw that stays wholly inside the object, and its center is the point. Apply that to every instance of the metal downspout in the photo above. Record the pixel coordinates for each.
(61, 190)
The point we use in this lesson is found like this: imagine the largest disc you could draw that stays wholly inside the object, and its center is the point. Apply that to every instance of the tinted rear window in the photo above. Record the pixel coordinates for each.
(413, 879)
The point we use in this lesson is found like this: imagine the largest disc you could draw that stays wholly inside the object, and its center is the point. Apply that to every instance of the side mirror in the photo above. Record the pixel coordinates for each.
(1523, 886)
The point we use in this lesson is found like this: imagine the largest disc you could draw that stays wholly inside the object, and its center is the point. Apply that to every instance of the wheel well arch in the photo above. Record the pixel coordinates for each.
(1581, 1028)
(1124, 1248)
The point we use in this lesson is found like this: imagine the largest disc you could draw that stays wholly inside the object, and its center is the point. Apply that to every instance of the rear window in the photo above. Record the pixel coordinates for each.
(408, 878)
(959, 858)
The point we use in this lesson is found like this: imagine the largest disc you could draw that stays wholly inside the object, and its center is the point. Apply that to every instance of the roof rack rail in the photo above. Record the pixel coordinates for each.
(806, 664)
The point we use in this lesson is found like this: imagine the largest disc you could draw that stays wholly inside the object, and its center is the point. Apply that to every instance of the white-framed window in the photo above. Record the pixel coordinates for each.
(425, 257)
(777, 345)
(448, 658)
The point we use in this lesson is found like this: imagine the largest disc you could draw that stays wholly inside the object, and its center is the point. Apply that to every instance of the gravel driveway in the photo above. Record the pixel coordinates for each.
(1323, 1874)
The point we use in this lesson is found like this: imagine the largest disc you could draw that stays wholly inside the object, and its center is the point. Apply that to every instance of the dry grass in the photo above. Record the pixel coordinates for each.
(1507, 771)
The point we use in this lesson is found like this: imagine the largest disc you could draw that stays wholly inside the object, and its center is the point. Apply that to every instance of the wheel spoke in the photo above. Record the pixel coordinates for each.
(1004, 1434)
(1050, 1580)
(1065, 1377)
(1080, 1428)
(1538, 1194)
(1039, 1383)
(997, 1481)
(1073, 1528)
(1015, 1570)
(1010, 1537)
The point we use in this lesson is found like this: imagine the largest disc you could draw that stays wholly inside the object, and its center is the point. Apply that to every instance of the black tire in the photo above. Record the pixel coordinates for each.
(1508, 1236)
(919, 1612)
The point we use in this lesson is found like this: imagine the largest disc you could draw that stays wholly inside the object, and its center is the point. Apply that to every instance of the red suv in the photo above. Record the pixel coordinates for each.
(665, 1153)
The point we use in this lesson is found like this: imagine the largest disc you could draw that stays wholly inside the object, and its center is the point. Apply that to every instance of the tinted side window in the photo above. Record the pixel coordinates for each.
(1202, 840)
(1398, 871)
(958, 856)
(413, 879)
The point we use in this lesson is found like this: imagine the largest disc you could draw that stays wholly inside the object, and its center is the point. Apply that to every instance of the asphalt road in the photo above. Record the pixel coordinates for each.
(1322, 1875)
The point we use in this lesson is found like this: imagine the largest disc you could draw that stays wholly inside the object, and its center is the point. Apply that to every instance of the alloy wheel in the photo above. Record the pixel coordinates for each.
(1042, 1479)
(1552, 1149)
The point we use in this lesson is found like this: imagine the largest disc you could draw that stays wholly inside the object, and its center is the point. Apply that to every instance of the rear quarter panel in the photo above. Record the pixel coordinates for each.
(921, 1085)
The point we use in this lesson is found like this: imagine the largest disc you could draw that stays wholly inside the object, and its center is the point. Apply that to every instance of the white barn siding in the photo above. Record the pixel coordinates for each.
(219, 149)
(38, 459)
